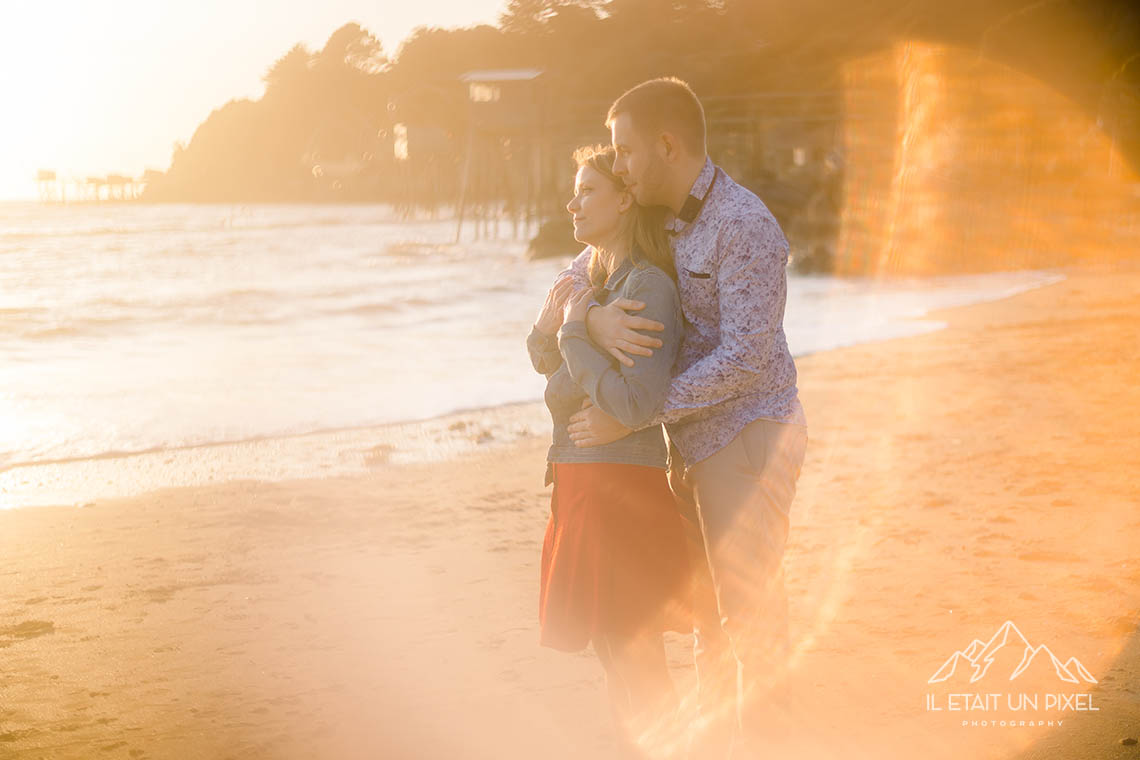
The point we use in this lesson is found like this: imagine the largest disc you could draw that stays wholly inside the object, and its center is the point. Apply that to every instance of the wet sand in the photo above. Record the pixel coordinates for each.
(954, 481)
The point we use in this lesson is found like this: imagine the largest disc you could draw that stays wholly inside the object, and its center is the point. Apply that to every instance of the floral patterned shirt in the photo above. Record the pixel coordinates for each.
(734, 365)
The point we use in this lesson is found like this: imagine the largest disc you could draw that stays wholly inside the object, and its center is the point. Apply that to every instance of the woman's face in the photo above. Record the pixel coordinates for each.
(597, 207)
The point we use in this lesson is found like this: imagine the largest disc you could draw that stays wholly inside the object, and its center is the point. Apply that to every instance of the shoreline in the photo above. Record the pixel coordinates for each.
(354, 449)
(322, 453)
(954, 480)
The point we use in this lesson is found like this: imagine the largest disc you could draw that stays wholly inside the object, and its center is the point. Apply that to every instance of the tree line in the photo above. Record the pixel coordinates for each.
(328, 122)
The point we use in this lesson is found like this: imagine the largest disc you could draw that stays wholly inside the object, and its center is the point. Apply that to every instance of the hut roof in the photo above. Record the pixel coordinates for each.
(500, 75)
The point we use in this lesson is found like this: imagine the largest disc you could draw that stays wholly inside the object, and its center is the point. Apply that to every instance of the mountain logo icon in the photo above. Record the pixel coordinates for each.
(1017, 655)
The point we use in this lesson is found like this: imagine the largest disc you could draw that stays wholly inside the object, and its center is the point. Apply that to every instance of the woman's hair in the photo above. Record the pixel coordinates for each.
(644, 225)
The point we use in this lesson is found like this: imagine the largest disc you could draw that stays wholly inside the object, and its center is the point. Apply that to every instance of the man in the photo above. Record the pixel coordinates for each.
(736, 428)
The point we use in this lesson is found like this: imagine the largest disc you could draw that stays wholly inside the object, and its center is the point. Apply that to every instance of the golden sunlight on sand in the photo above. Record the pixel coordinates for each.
(954, 481)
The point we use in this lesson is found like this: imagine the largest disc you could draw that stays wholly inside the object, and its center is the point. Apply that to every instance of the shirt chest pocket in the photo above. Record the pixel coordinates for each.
(697, 284)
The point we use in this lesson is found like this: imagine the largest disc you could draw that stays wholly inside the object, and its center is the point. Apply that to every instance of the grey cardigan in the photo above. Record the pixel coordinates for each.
(576, 369)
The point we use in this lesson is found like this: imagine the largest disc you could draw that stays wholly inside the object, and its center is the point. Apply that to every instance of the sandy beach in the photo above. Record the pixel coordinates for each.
(954, 481)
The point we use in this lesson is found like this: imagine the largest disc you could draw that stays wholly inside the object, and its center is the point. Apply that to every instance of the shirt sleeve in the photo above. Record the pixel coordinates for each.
(632, 395)
(543, 348)
(580, 269)
(751, 293)
(543, 351)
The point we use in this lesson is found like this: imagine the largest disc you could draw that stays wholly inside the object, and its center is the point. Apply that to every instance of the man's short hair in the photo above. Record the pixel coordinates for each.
(661, 105)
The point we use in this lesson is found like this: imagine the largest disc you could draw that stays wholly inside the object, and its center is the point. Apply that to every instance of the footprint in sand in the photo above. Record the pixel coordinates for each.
(158, 594)
(503, 500)
(1123, 624)
(14, 736)
(910, 537)
(1096, 583)
(29, 629)
(1047, 556)
(913, 437)
(1041, 488)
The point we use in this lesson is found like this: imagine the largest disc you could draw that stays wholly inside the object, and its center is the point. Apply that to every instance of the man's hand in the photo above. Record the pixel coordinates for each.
(615, 331)
(590, 426)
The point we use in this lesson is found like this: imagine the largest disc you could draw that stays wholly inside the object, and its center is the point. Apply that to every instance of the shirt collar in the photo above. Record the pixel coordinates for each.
(618, 275)
(698, 190)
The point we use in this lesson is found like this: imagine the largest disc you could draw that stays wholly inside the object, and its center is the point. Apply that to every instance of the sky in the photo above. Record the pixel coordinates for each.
(109, 87)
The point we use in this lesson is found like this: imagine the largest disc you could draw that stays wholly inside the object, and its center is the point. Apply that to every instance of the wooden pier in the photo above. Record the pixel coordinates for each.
(109, 188)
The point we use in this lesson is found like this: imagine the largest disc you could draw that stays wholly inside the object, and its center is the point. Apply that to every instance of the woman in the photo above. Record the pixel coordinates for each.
(614, 563)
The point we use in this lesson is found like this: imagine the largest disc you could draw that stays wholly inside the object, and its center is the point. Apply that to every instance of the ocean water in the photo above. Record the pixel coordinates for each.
(133, 328)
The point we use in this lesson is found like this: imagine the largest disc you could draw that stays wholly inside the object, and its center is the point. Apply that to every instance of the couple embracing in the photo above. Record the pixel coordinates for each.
(678, 432)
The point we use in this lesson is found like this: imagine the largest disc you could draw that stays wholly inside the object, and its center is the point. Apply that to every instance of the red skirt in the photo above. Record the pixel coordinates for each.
(614, 559)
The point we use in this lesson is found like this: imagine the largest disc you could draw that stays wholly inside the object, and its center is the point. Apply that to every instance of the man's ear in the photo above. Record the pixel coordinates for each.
(625, 201)
(670, 147)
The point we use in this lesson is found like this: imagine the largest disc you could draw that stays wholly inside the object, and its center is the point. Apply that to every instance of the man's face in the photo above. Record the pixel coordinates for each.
(637, 161)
